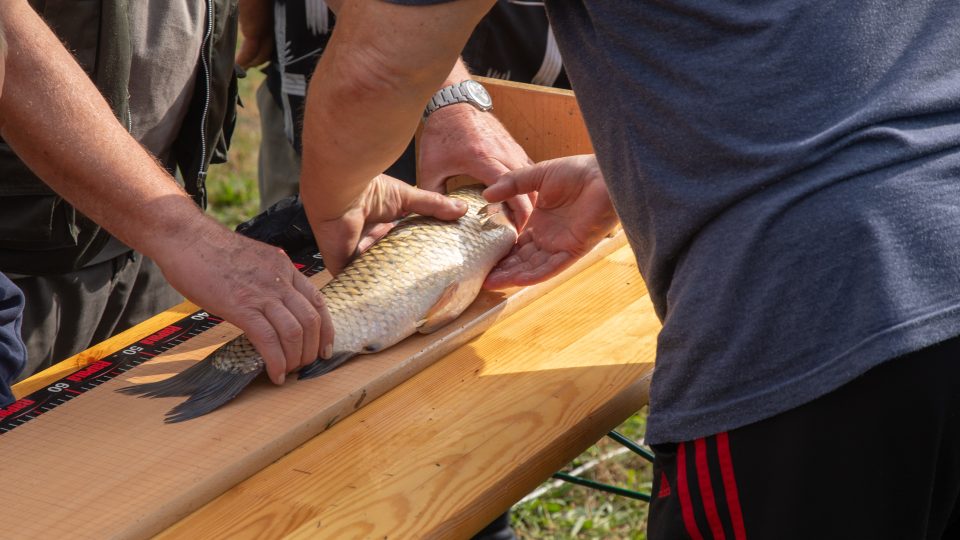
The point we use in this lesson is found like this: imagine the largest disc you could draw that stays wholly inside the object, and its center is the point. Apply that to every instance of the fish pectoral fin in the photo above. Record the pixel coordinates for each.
(322, 367)
(443, 311)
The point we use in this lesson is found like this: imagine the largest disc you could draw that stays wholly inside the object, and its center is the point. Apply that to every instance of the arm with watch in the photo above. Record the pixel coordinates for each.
(384, 63)
(460, 135)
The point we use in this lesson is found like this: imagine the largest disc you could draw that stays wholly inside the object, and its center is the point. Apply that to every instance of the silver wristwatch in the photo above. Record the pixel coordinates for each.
(468, 91)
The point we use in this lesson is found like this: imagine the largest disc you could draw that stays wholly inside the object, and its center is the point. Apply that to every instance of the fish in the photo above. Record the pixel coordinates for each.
(419, 277)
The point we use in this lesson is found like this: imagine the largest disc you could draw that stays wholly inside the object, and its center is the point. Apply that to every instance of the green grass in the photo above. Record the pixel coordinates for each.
(571, 511)
(563, 512)
(232, 192)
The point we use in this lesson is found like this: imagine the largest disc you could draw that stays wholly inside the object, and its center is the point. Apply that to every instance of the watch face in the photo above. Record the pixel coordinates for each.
(478, 93)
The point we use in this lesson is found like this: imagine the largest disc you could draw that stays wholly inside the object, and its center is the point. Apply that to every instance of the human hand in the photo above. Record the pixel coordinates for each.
(573, 213)
(462, 140)
(341, 236)
(255, 287)
(256, 25)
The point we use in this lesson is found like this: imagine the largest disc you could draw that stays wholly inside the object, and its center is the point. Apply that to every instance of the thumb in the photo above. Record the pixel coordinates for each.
(337, 240)
(429, 203)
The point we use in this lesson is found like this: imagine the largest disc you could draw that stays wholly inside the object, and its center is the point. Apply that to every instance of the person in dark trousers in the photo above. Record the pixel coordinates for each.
(787, 176)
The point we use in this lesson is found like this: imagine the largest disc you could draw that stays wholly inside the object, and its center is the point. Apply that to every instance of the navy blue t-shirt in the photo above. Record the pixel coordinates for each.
(13, 355)
(788, 174)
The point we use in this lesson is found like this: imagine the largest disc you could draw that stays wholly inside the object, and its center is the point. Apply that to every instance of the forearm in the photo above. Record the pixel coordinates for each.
(53, 116)
(371, 85)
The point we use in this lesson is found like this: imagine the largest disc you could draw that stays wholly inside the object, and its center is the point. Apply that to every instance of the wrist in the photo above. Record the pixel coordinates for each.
(467, 92)
(184, 227)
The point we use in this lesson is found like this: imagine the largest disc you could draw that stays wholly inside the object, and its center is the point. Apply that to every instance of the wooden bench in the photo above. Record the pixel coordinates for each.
(438, 455)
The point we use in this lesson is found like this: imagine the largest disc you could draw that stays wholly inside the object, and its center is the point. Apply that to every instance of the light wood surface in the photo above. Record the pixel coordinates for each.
(438, 456)
(545, 121)
(445, 452)
(105, 449)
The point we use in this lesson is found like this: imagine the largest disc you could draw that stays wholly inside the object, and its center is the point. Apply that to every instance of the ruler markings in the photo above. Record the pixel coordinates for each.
(109, 367)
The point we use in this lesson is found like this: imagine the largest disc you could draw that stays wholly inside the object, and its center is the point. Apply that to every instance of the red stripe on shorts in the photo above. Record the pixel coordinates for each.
(706, 490)
(686, 508)
(730, 486)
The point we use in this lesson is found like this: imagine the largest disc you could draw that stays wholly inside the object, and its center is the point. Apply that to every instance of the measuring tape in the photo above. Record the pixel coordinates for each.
(93, 375)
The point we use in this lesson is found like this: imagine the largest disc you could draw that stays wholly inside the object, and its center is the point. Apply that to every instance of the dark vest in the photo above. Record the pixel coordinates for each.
(40, 233)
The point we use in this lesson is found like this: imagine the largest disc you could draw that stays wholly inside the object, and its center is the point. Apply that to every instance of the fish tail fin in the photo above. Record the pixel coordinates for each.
(207, 386)
(214, 389)
(322, 367)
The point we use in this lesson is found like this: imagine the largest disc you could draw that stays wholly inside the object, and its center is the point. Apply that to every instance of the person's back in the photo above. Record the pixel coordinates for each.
(788, 173)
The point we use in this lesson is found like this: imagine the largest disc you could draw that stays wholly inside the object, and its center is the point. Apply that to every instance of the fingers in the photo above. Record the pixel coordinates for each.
(326, 328)
(372, 233)
(261, 333)
(305, 303)
(324, 322)
(289, 332)
(522, 207)
(517, 182)
(429, 203)
(527, 264)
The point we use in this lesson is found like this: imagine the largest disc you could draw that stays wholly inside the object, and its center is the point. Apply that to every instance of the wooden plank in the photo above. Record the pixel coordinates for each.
(106, 450)
(448, 450)
(546, 122)
(102, 349)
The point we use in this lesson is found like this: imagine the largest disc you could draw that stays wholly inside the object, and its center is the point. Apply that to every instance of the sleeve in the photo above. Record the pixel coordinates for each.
(13, 354)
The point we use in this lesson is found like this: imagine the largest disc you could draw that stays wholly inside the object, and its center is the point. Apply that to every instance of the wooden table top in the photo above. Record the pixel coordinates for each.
(446, 451)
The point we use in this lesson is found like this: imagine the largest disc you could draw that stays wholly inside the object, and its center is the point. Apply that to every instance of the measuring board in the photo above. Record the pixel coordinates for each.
(109, 367)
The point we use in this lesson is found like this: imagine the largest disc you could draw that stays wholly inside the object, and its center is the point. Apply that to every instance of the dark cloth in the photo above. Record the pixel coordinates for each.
(71, 312)
(498, 529)
(878, 458)
(513, 41)
(13, 355)
(284, 224)
(787, 175)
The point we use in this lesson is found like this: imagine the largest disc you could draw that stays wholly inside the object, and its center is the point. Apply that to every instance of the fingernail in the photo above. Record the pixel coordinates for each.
(461, 206)
(283, 378)
(327, 351)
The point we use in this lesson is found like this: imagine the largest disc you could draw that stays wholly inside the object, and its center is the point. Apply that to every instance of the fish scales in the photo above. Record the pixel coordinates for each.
(418, 277)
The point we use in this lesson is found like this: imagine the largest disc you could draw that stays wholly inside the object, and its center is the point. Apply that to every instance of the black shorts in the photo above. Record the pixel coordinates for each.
(877, 458)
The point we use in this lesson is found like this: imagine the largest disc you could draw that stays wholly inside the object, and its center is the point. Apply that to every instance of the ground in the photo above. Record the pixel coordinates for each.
(557, 512)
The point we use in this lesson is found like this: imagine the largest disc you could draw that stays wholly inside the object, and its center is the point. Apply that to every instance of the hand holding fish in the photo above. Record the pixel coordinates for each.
(461, 140)
(573, 213)
(280, 311)
(417, 278)
(343, 235)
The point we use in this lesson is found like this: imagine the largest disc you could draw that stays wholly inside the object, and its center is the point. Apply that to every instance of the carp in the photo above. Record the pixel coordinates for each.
(417, 278)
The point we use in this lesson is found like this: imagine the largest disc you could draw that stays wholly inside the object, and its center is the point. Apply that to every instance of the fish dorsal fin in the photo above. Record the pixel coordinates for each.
(443, 311)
